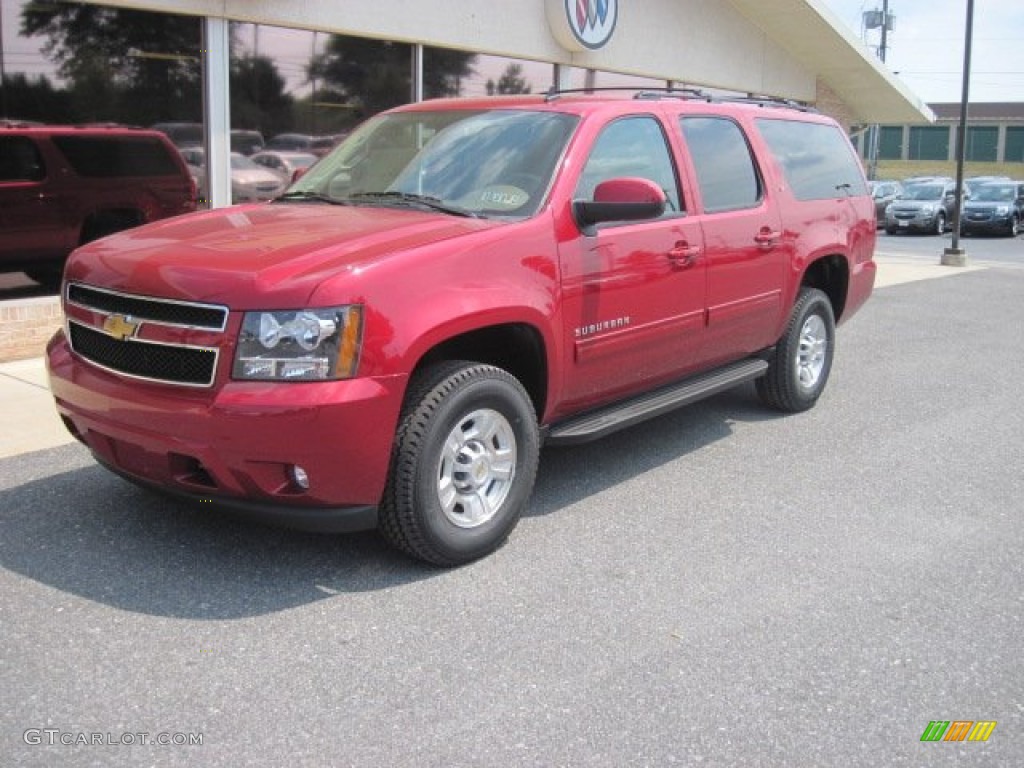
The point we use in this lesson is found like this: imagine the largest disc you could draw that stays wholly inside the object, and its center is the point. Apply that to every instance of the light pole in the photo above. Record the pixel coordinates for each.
(955, 256)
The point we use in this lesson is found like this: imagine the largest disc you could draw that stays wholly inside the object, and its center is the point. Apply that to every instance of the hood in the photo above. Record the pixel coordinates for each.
(986, 205)
(915, 205)
(271, 256)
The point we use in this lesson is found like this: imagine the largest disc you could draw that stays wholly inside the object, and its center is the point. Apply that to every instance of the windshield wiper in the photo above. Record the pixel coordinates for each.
(409, 198)
(306, 195)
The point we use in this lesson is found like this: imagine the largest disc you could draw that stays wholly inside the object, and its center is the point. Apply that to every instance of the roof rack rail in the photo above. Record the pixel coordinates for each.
(768, 101)
(642, 92)
(672, 93)
(647, 92)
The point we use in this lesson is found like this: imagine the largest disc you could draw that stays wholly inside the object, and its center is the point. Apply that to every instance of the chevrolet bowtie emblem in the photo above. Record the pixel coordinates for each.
(120, 327)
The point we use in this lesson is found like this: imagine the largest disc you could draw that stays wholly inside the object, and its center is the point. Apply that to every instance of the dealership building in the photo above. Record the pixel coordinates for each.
(326, 61)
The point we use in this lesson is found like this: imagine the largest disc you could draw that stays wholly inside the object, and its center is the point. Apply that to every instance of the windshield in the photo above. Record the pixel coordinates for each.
(493, 163)
(923, 192)
(994, 193)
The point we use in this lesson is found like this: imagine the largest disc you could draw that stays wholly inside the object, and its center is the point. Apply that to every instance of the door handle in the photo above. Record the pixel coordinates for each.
(684, 255)
(767, 237)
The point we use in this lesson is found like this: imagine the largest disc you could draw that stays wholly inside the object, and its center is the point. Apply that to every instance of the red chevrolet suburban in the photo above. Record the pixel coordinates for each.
(390, 342)
(62, 186)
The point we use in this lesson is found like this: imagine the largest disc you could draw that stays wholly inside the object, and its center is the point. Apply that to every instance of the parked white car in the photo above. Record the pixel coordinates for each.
(285, 164)
(249, 182)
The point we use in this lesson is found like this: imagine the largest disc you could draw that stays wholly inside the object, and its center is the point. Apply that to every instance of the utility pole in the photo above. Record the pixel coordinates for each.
(873, 19)
(885, 29)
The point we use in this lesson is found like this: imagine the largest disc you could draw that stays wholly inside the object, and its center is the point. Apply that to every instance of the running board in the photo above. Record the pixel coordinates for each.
(604, 421)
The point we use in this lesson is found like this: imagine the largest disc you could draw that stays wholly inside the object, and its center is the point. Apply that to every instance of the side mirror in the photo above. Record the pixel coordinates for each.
(622, 199)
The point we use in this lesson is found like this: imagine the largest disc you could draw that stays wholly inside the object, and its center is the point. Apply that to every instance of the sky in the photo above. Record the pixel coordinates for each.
(926, 46)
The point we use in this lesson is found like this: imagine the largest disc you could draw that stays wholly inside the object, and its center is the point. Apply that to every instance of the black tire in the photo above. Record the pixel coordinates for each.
(437, 452)
(1014, 228)
(48, 276)
(799, 370)
(890, 230)
(940, 223)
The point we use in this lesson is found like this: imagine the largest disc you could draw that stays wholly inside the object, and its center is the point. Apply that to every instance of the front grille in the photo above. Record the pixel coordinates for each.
(191, 366)
(167, 311)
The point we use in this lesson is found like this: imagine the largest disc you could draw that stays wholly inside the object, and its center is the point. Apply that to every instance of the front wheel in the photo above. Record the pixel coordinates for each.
(463, 464)
(940, 223)
(799, 370)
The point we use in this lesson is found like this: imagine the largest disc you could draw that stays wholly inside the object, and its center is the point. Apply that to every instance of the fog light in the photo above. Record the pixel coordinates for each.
(299, 476)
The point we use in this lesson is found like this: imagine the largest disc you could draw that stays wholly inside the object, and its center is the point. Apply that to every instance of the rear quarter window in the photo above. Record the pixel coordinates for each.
(816, 158)
(110, 157)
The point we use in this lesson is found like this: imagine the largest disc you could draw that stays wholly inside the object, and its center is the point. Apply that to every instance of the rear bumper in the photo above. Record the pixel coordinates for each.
(862, 283)
(236, 445)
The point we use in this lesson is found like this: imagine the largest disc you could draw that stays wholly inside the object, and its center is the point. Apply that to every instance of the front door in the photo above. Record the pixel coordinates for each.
(633, 292)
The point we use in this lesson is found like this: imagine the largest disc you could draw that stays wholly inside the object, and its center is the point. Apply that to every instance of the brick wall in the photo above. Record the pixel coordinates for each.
(26, 325)
(830, 104)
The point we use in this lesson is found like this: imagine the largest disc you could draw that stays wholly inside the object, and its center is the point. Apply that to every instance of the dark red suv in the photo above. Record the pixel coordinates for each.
(61, 187)
(391, 341)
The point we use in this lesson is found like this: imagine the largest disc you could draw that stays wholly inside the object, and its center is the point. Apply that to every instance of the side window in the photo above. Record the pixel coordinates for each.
(816, 158)
(725, 169)
(20, 160)
(633, 146)
(109, 157)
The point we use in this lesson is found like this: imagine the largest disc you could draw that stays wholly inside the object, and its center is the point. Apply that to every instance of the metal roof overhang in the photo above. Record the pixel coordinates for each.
(821, 43)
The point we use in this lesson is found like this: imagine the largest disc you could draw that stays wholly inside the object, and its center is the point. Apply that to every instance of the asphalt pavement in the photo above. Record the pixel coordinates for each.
(725, 586)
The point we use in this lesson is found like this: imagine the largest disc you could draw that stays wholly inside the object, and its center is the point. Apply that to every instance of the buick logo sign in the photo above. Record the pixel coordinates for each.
(582, 24)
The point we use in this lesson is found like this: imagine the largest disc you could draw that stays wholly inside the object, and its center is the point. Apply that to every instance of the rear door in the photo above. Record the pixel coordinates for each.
(745, 251)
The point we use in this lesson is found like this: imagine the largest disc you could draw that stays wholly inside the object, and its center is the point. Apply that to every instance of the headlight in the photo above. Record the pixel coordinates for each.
(1002, 210)
(927, 210)
(299, 345)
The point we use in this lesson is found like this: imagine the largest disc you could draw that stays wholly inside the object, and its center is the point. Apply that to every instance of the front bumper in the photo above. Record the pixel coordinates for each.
(918, 222)
(989, 223)
(236, 444)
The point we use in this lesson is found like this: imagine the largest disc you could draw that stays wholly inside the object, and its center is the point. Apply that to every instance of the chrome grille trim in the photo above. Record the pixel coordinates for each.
(193, 315)
(211, 353)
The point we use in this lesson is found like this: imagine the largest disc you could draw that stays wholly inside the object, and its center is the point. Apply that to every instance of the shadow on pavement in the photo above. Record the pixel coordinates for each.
(89, 533)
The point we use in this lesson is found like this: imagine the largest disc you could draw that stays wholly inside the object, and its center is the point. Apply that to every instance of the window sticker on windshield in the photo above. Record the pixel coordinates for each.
(500, 197)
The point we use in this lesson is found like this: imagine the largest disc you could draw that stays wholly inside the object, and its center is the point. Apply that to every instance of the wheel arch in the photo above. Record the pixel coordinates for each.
(831, 275)
(516, 347)
(107, 221)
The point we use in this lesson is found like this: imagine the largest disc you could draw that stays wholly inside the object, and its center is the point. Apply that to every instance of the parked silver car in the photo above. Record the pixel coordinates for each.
(922, 207)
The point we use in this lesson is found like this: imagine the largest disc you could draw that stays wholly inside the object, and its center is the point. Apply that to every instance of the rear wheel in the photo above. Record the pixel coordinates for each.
(798, 372)
(463, 464)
